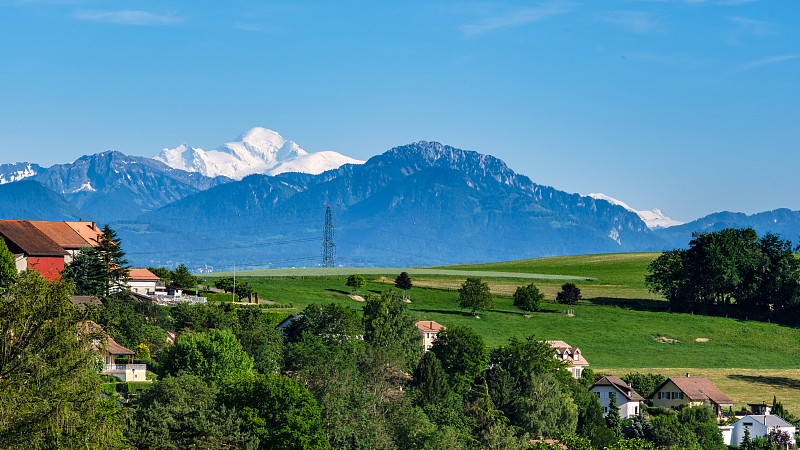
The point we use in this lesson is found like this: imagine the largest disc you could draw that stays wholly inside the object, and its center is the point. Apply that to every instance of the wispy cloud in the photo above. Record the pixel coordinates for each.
(517, 18)
(129, 17)
(636, 21)
(764, 62)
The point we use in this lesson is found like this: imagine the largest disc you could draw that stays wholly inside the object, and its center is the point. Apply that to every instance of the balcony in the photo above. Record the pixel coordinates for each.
(126, 372)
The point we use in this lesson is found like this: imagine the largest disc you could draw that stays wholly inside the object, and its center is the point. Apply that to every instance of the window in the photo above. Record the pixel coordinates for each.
(605, 409)
(598, 395)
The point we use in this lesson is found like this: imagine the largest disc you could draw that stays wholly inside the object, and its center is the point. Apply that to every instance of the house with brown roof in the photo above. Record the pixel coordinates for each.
(64, 235)
(429, 329)
(679, 392)
(628, 400)
(32, 248)
(570, 355)
(116, 358)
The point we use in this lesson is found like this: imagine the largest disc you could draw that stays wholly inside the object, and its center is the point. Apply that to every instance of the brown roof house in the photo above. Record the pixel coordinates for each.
(429, 329)
(116, 358)
(64, 235)
(628, 400)
(571, 355)
(33, 249)
(679, 392)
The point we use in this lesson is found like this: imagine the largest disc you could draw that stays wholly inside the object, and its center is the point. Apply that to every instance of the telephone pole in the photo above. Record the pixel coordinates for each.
(328, 247)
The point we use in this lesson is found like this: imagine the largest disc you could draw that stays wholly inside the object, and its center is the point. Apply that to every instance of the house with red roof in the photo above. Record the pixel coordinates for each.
(428, 329)
(570, 355)
(680, 392)
(46, 246)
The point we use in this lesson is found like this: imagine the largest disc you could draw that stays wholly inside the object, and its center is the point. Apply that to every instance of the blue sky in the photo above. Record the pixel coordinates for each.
(689, 106)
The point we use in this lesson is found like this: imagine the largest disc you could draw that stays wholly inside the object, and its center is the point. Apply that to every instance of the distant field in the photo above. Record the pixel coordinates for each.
(344, 271)
(619, 325)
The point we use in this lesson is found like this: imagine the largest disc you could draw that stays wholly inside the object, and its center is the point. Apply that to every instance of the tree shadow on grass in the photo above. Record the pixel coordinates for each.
(767, 380)
(339, 291)
(636, 304)
(449, 311)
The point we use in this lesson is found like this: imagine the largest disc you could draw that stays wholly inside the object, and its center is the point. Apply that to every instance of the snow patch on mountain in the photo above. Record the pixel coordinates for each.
(10, 173)
(653, 218)
(259, 150)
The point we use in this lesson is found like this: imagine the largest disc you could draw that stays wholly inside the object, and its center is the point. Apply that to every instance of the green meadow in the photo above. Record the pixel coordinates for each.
(619, 325)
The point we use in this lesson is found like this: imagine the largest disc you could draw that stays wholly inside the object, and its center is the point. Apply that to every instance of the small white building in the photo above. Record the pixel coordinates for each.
(429, 329)
(628, 400)
(571, 355)
(144, 282)
(759, 425)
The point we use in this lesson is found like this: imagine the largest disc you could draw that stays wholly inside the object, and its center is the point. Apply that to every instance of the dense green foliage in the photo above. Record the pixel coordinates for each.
(8, 267)
(356, 282)
(731, 272)
(403, 282)
(570, 294)
(215, 356)
(49, 382)
(528, 298)
(474, 294)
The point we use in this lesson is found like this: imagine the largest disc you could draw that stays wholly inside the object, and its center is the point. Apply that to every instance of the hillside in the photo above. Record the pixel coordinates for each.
(619, 326)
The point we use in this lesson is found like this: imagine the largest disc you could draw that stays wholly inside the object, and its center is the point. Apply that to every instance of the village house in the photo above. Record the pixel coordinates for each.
(571, 355)
(117, 360)
(144, 282)
(758, 425)
(46, 246)
(628, 400)
(679, 392)
(428, 329)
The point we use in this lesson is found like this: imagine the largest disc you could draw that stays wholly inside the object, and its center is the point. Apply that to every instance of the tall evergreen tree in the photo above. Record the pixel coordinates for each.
(613, 419)
(87, 271)
(116, 269)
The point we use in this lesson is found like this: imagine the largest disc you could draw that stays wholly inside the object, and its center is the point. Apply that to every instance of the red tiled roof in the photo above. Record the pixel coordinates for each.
(136, 273)
(87, 230)
(112, 347)
(698, 388)
(620, 386)
(429, 326)
(29, 239)
(61, 233)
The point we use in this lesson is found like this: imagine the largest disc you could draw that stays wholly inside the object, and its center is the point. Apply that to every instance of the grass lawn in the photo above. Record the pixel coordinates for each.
(620, 326)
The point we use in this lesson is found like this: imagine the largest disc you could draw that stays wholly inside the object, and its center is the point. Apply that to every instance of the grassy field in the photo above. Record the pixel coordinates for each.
(619, 326)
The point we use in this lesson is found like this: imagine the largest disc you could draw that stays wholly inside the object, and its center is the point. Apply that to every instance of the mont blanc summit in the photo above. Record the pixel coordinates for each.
(259, 150)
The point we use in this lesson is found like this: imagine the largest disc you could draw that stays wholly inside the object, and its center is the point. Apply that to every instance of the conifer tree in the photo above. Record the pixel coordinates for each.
(116, 269)
(613, 421)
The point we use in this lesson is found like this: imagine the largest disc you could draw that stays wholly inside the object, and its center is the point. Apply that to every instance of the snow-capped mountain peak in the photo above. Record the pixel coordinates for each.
(259, 150)
(653, 218)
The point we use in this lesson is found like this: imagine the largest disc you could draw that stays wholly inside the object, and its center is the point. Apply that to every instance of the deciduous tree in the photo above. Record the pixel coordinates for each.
(528, 298)
(356, 282)
(474, 294)
(569, 294)
(403, 282)
(463, 355)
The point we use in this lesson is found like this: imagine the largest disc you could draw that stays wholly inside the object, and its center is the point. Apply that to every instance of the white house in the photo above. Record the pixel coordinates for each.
(116, 358)
(628, 400)
(144, 282)
(428, 329)
(571, 355)
(759, 425)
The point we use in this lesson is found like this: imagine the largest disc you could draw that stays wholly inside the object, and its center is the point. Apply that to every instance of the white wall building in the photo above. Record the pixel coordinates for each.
(759, 425)
(628, 400)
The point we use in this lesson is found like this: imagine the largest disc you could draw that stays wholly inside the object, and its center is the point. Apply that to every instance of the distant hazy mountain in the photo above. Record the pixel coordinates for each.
(30, 200)
(10, 173)
(423, 203)
(782, 221)
(653, 218)
(111, 186)
(258, 151)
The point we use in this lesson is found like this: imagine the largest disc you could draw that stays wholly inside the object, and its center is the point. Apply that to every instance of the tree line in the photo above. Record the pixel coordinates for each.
(731, 272)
